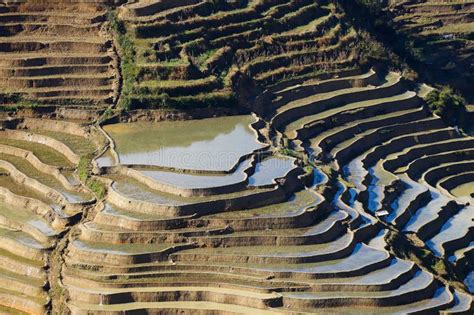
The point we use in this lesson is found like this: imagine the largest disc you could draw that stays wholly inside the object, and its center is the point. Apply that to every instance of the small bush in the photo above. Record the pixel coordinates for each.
(446, 104)
(370, 48)
(372, 5)
(415, 51)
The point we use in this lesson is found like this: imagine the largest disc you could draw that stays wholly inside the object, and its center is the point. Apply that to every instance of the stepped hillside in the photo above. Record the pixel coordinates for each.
(56, 54)
(335, 190)
(439, 35)
(201, 53)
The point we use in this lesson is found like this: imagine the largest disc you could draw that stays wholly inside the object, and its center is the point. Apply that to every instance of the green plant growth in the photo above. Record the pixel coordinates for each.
(201, 59)
(15, 101)
(371, 49)
(202, 100)
(128, 64)
(84, 172)
(108, 113)
(448, 105)
(308, 169)
(290, 152)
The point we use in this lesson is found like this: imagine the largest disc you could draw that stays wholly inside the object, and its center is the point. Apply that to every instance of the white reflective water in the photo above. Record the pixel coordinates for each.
(206, 144)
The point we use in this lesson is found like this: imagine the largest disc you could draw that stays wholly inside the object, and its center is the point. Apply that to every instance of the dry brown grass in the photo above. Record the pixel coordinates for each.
(69, 6)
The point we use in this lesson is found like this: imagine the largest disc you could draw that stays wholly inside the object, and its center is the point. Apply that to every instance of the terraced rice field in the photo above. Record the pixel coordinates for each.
(39, 200)
(339, 194)
(267, 236)
(442, 31)
(262, 41)
(184, 145)
(401, 167)
(55, 54)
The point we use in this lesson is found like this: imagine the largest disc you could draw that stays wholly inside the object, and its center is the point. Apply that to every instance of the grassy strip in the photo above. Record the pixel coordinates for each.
(84, 170)
(128, 64)
(14, 101)
(178, 87)
(203, 100)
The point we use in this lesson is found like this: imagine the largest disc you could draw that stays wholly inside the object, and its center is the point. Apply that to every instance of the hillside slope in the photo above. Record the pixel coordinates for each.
(337, 190)
(56, 54)
(434, 37)
(202, 53)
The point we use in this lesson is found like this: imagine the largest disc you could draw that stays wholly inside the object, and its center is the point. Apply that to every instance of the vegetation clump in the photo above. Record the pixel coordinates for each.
(448, 105)
(15, 101)
(128, 63)
(84, 173)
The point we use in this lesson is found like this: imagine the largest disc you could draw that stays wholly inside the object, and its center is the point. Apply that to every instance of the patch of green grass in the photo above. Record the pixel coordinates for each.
(15, 101)
(439, 267)
(203, 57)
(44, 153)
(202, 100)
(21, 259)
(78, 144)
(83, 168)
(84, 172)
(345, 182)
(97, 187)
(190, 86)
(289, 152)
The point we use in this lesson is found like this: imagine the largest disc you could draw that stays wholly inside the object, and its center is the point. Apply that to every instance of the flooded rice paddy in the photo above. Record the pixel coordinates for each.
(209, 144)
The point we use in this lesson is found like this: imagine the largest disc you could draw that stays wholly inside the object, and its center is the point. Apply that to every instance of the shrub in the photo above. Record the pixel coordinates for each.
(372, 5)
(370, 48)
(415, 51)
(446, 104)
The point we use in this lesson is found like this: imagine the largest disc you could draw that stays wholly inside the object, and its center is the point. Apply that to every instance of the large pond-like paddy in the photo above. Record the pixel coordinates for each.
(214, 144)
